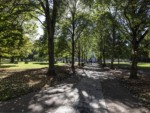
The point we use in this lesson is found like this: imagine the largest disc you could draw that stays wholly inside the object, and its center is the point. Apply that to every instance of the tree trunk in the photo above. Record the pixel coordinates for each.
(113, 47)
(73, 53)
(0, 60)
(79, 60)
(133, 73)
(73, 50)
(73, 42)
(82, 56)
(51, 70)
(118, 61)
(104, 61)
(66, 59)
(100, 60)
(50, 26)
(79, 54)
(12, 59)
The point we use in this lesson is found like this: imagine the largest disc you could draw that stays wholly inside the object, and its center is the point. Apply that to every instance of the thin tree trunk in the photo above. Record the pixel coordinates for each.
(79, 54)
(113, 47)
(0, 60)
(73, 53)
(82, 56)
(104, 59)
(118, 61)
(12, 59)
(79, 60)
(66, 59)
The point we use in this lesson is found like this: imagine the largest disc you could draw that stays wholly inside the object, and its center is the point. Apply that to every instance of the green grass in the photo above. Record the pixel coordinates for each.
(144, 65)
(128, 64)
(30, 65)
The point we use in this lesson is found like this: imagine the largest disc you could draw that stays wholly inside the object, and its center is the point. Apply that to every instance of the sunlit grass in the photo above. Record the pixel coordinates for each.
(30, 65)
(128, 64)
(144, 65)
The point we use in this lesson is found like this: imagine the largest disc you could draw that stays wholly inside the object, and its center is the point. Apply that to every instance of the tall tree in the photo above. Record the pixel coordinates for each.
(49, 9)
(136, 20)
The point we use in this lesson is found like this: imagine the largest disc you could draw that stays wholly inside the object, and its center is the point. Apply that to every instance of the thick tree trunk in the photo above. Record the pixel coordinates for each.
(133, 73)
(50, 21)
(51, 70)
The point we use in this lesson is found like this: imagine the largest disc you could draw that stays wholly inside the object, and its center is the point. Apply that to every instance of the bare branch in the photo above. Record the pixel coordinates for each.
(142, 37)
(37, 19)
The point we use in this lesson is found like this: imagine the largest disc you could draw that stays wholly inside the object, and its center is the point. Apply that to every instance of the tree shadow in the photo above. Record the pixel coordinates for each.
(77, 94)
(41, 63)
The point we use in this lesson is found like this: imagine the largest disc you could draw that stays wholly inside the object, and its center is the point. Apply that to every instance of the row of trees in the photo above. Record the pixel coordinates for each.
(74, 28)
(16, 27)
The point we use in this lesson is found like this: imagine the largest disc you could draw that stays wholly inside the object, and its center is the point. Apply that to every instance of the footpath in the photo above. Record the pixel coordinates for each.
(91, 90)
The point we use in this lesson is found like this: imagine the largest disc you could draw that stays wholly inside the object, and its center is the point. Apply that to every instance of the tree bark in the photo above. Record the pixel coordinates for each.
(50, 21)
(73, 53)
(118, 61)
(113, 47)
(66, 58)
(12, 59)
(133, 73)
(104, 59)
(0, 60)
(79, 56)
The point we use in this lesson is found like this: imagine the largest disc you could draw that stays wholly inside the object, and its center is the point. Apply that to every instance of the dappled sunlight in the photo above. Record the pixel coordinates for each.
(36, 108)
(32, 83)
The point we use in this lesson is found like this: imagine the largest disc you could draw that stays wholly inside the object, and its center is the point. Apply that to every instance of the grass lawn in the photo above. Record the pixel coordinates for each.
(30, 65)
(128, 64)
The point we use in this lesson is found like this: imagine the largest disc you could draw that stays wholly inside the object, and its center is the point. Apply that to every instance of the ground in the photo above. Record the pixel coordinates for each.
(91, 90)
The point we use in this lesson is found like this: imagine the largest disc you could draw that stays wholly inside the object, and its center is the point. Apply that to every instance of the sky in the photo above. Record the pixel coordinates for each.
(40, 29)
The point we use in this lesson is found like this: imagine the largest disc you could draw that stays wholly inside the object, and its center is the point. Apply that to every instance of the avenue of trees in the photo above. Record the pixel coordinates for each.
(111, 29)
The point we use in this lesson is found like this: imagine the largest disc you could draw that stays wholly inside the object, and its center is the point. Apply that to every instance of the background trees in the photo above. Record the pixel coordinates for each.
(109, 29)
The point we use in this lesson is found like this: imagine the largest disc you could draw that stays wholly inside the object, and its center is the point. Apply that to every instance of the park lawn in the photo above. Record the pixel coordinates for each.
(128, 64)
(30, 65)
(144, 65)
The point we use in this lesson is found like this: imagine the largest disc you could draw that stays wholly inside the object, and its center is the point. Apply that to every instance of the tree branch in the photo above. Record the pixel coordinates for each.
(37, 19)
(142, 37)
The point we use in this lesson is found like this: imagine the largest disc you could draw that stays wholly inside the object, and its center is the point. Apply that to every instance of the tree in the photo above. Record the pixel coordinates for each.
(135, 15)
(13, 17)
(77, 22)
(49, 9)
